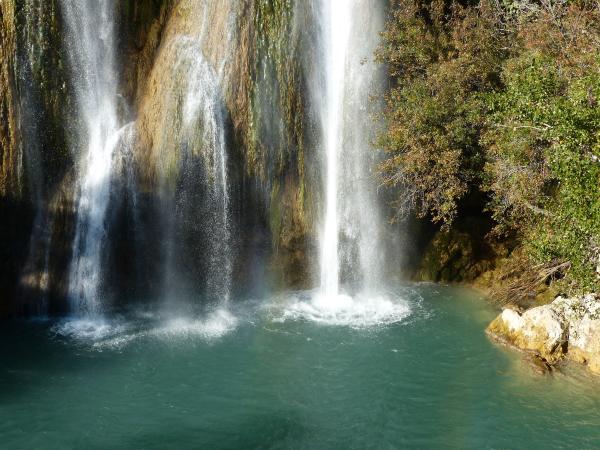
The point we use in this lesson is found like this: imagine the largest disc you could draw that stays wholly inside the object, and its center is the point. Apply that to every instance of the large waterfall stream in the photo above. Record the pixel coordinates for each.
(90, 46)
(337, 37)
(351, 251)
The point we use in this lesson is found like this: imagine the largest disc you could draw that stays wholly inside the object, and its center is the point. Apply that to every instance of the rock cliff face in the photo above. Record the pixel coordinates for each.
(567, 328)
(35, 161)
(9, 136)
(262, 64)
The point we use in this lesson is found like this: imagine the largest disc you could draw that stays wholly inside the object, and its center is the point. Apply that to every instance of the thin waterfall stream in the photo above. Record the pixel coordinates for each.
(188, 123)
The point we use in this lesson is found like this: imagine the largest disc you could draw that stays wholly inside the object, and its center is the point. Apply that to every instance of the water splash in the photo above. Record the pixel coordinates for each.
(358, 312)
(214, 326)
(101, 334)
(90, 47)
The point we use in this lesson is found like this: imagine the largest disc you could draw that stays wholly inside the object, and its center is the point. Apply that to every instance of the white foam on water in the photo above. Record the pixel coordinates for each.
(216, 325)
(361, 311)
(102, 334)
(87, 330)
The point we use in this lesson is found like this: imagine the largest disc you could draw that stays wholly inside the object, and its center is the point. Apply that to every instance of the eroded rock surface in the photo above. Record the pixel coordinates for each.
(566, 328)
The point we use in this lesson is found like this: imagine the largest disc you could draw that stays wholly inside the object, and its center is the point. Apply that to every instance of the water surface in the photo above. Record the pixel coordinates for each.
(278, 374)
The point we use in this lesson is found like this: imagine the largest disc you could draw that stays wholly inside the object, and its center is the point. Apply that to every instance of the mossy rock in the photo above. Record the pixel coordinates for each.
(451, 257)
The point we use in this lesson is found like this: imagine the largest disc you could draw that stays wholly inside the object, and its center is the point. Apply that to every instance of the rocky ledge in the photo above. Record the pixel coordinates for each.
(567, 328)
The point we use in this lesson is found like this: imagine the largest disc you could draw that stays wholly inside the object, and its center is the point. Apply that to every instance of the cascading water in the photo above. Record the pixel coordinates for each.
(350, 248)
(206, 94)
(352, 292)
(185, 127)
(336, 45)
(90, 47)
(362, 254)
(203, 130)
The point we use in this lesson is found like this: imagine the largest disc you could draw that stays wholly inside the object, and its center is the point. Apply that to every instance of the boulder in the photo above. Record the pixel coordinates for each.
(584, 332)
(566, 328)
(542, 330)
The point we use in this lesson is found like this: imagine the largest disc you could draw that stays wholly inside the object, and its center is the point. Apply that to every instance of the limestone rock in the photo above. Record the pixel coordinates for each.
(543, 330)
(567, 327)
(584, 332)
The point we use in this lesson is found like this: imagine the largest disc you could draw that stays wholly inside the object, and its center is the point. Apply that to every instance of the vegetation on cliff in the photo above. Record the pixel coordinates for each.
(269, 106)
(500, 101)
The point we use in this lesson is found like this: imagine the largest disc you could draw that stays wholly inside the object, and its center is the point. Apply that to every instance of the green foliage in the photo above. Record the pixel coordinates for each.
(440, 63)
(504, 100)
(549, 122)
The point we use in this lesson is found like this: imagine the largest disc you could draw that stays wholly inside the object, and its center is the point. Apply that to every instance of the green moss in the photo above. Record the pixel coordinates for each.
(274, 135)
(275, 217)
(272, 127)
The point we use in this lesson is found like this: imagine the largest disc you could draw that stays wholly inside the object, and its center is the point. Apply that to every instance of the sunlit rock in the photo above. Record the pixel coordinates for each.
(566, 328)
(543, 330)
(584, 332)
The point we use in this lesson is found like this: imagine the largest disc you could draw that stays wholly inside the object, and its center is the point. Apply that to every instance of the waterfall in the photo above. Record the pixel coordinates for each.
(90, 45)
(183, 119)
(350, 244)
(203, 129)
(203, 99)
(336, 45)
(362, 255)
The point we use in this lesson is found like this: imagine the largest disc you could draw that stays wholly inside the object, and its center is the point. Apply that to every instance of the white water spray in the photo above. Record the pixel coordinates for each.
(90, 47)
(204, 105)
(188, 125)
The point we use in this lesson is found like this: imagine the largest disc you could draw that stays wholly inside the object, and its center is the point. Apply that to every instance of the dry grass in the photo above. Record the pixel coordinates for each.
(522, 283)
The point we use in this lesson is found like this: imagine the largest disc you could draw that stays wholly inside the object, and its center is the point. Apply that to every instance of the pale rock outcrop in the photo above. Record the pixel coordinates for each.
(566, 328)
(542, 330)
(189, 51)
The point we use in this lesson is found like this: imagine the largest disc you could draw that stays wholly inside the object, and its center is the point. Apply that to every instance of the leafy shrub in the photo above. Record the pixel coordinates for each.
(502, 99)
